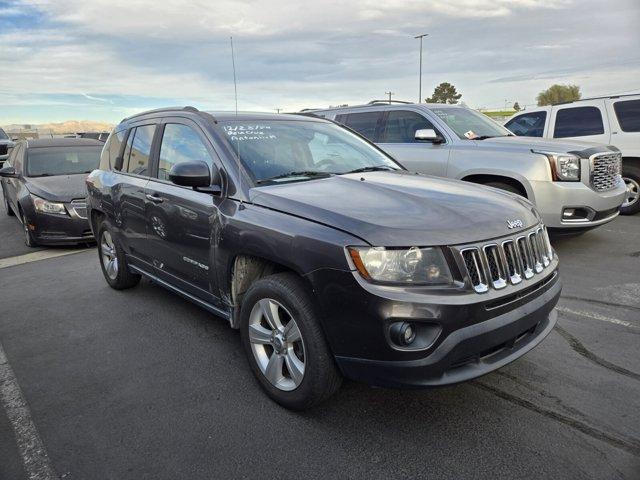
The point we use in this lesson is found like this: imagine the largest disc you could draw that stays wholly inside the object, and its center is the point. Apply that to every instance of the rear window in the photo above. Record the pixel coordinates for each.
(578, 122)
(52, 161)
(365, 123)
(111, 150)
(628, 113)
(528, 124)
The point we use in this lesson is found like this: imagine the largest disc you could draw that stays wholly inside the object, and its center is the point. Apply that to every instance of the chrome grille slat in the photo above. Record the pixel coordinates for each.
(605, 171)
(511, 261)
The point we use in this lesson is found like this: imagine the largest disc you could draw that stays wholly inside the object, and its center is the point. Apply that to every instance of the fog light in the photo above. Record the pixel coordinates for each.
(402, 333)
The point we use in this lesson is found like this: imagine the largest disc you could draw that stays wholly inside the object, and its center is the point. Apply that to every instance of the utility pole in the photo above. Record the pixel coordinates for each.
(420, 81)
(278, 110)
(389, 93)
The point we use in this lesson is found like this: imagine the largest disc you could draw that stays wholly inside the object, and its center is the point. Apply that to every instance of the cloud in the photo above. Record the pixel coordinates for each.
(119, 54)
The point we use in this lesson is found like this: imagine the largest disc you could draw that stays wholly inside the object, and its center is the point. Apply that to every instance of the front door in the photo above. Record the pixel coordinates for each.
(180, 220)
(398, 140)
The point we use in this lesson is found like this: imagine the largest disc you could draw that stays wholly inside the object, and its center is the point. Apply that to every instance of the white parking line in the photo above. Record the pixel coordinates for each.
(597, 316)
(34, 456)
(35, 256)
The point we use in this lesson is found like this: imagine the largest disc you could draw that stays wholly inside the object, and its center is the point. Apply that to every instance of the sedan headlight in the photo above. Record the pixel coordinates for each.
(565, 166)
(402, 266)
(45, 206)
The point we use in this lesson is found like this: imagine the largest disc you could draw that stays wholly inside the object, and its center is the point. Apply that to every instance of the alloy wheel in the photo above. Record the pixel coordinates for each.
(277, 344)
(633, 192)
(108, 255)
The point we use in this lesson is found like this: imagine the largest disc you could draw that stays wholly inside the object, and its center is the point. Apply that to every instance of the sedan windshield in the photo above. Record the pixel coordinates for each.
(470, 125)
(276, 151)
(3, 136)
(50, 161)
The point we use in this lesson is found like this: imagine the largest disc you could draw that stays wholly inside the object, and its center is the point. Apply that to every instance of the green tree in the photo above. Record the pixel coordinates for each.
(444, 93)
(516, 107)
(558, 94)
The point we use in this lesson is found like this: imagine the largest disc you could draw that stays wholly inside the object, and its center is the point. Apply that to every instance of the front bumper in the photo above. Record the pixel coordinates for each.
(552, 198)
(479, 332)
(59, 230)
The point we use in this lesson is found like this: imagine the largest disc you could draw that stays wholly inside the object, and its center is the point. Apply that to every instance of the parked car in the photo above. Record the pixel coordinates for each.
(43, 183)
(575, 186)
(6, 144)
(330, 258)
(614, 120)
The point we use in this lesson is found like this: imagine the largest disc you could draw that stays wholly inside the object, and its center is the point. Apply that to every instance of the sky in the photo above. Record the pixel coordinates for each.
(104, 60)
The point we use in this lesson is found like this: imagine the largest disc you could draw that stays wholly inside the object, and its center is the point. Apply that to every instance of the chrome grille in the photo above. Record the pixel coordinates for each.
(80, 208)
(510, 262)
(605, 171)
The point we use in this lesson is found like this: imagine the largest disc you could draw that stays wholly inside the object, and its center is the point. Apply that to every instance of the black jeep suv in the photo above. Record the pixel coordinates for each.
(329, 257)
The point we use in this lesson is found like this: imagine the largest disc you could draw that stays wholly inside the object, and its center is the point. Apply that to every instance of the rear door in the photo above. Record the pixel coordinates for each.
(181, 220)
(398, 139)
(9, 185)
(130, 191)
(581, 121)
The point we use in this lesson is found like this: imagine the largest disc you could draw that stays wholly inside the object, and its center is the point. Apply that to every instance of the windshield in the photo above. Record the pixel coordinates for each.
(469, 124)
(281, 150)
(3, 136)
(62, 160)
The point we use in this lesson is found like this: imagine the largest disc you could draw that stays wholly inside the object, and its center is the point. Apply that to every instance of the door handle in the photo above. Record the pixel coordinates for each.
(154, 198)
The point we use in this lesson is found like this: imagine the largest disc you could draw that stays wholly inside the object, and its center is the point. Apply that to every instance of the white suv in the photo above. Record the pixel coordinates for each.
(608, 120)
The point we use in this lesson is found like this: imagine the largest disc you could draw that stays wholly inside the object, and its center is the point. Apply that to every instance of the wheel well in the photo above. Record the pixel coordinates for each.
(635, 161)
(246, 270)
(482, 179)
(96, 215)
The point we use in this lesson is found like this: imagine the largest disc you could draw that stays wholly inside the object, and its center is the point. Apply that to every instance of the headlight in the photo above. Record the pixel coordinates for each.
(44, 206)
(402, 266)
(565, 166)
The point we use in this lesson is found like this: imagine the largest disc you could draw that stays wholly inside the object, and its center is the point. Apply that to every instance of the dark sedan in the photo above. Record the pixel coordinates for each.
(43, 183)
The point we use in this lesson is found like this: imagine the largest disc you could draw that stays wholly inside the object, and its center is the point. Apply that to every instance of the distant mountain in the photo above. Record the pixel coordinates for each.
(70, 126)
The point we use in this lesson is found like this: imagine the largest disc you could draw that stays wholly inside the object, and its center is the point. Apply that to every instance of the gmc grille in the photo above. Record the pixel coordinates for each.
(605, 171)
(496, 265)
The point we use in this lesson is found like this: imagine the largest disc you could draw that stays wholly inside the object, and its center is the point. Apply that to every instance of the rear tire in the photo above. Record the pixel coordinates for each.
(631, 176)
(113, 260)
(284, 343)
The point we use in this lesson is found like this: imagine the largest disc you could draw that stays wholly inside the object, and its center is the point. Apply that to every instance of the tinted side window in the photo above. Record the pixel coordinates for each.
(628, 113)
(578, 122)
(365, 123)
(111, 150)
(139, 149)
(528, 125)
(180, 143)
(401, 126)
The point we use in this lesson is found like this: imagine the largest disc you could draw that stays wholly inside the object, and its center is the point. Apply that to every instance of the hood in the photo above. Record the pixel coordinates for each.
(395, 209)
(559, 145)
(59, 188)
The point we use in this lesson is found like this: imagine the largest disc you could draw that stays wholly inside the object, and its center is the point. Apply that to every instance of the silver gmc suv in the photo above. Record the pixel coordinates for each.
(575, 185)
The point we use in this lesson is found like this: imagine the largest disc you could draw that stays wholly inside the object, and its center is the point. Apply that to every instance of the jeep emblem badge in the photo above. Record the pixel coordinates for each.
(514, 224)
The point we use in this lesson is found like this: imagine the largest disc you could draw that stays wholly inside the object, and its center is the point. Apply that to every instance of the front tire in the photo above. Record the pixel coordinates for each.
(284, 343)
(113, 260)
(29, 239)
(631, 177)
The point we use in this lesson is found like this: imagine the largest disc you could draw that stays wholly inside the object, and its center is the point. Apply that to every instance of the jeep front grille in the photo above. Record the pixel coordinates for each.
(605, 171)
(496, 265)
(4, 149)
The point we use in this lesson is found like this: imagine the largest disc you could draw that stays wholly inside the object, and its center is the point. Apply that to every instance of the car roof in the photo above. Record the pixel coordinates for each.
(381, 106)
(63, 142)
(226, 116)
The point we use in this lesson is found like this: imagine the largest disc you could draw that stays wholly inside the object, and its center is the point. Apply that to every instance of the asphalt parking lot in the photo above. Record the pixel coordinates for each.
(142, 384)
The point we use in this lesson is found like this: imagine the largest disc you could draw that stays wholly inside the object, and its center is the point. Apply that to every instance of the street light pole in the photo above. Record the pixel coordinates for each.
(420, 81)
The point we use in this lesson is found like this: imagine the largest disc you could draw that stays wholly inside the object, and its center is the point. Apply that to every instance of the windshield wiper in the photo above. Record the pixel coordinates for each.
(378, 168)
(484, 137)
(301, 173)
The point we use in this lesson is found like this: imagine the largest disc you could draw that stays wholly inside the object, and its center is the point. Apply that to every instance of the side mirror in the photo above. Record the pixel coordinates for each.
(428, 135)
(192, 174)
(8, 172)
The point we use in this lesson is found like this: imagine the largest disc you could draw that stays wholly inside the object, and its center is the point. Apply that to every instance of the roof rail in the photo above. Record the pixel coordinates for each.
(388, 102)
(186, 108)
(599, 98)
